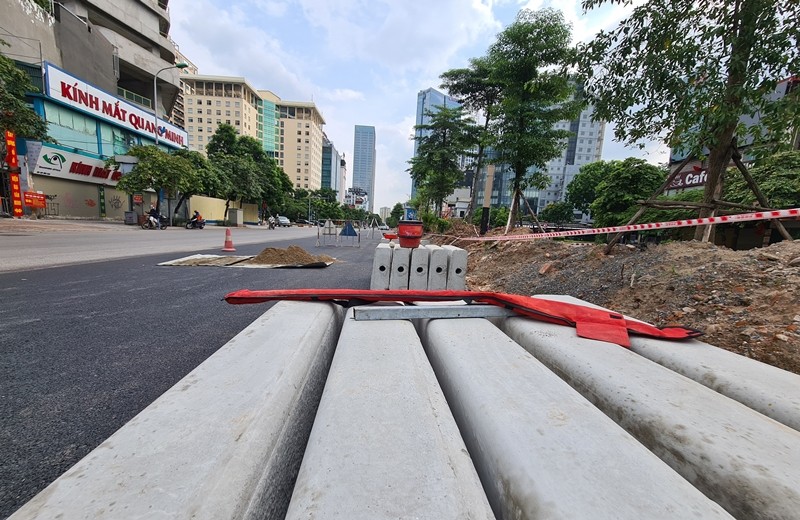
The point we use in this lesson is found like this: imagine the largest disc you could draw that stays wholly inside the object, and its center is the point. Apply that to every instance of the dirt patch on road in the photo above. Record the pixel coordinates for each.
(744, 301)
(293, 255)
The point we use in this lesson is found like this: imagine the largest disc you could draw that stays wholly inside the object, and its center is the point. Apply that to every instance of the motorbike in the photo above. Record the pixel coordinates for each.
(196, 224)
(163, 222)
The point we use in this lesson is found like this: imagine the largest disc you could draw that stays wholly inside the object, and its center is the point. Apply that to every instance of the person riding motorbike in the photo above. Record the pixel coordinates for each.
(154, 216)
(197, 217)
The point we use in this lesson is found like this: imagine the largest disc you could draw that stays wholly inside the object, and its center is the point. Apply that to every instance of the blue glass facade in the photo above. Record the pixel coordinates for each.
(428, 101)
(364, 161)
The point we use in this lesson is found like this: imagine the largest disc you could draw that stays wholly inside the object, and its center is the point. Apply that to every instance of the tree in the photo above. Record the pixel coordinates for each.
(205, 180)
(582, 191)
(623, 184)
(15, 114)
(158, 170)
(778, 176)
(435, 168)
(529, 61)
(396, 215)
(477, 91)
(557, 212)
(686, 71)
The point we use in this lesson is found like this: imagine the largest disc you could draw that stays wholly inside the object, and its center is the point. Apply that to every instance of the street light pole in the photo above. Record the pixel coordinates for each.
(181, 65)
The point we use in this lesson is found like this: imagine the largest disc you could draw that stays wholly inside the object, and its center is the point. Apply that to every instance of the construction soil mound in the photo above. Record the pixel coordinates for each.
(744, 301)
(293, 255)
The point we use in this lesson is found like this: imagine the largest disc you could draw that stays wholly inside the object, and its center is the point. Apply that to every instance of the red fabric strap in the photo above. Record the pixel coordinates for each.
(589, 322)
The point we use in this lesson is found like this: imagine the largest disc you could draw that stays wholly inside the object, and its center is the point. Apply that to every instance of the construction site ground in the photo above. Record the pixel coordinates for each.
(746, 302)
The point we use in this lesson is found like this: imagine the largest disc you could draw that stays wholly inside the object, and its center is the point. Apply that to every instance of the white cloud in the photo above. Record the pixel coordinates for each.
(360, 61)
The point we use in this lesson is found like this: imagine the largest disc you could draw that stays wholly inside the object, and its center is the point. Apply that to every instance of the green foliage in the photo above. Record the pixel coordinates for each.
(558, 212)
(158, 170)
(497, 217)
(666, 215)
(15, 113)
(623, 184)
(435, 168)
(529, 61)
(689, 69)
(582, 191)
(778, 176)
(396, 215)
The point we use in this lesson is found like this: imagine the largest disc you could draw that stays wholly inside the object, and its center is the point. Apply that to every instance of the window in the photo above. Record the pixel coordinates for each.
(237, 104)
(190, 111)
(227, 112)
(208, 102)
(236, 113)
(191, 120)
(237, 122)
(191, 128)
(227, 103)
(219, 112)
(199, 128)
(199, 119)
(219, 102)
(208, 129)
(208, 111)
(228, 121)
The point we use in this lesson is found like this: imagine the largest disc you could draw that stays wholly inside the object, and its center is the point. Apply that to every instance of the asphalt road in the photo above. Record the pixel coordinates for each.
(86, 346)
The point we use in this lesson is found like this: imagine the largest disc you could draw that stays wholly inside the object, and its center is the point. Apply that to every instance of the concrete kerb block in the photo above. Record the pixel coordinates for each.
(401, 265)
(418, 276)
(456, 268)
(225, 442)
(381, 267)
(714, 442)
(437, 268)
(764, 388)
(384, 443)
(545, 451)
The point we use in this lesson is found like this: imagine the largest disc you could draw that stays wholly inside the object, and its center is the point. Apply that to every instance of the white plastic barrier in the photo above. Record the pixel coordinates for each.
(456, 268)
(437, 268)
(401, 265)
(541, 450)
(384, 444)
(225, 442)
(418, 275)
(381, 267)
(743, 460)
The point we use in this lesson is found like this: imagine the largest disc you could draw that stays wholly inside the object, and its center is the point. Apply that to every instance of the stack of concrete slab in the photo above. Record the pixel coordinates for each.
(426, 268)
(312, 413)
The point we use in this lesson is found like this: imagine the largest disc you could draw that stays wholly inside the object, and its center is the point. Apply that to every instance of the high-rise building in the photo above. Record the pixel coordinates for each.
(300, 154)
(364, 161)
(333, 169)
(212, 100)
(428, 101)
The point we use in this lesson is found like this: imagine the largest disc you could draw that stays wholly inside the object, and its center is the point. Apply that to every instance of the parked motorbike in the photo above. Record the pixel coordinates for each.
(148, 223)
(196, 224)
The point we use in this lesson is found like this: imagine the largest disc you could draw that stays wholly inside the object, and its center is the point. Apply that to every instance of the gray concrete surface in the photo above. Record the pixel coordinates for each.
(225, 442)
(542, 451)
(764, 388)
(401, 264)
(384, 444)
(743, 460)
(437, 268)
(418, 276)
(36, 244)
(456, 268)
(381, 266)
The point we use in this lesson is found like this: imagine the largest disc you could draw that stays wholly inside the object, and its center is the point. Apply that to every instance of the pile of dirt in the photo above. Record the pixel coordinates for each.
(293, 255)
(744, 301)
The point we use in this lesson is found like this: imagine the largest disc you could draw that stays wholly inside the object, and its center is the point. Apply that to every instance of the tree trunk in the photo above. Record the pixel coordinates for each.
(514, 209)
(718, 161)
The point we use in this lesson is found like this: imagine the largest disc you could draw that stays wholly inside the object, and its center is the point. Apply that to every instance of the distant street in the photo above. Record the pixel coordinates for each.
(86, 346)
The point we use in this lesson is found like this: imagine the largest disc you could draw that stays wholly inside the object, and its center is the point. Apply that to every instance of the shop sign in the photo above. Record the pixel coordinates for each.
(35, 200)
(77, 93)
(55, 162)
(688, 179)
(11, 150)
(16, 195)
(138, 198)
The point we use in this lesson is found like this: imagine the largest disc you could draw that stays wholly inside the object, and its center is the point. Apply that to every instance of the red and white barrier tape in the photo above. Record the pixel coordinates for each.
(743, 217)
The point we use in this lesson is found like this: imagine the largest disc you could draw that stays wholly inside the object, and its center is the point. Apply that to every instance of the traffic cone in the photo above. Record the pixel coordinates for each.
(228, 242)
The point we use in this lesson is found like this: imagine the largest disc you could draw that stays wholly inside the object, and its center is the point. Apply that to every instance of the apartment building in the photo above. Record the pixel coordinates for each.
(300, 141)
(213, 100)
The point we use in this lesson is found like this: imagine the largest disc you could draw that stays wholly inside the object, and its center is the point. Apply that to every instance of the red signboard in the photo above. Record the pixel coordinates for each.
(34, 200)
(16, 195)
(11, 150)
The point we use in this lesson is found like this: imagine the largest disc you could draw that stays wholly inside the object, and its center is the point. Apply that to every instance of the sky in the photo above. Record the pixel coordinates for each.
(362, 62)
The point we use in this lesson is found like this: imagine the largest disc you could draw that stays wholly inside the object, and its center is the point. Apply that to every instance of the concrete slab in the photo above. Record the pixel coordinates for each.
(418, 275)
(456, 268)
(764, 388)
(225, 442)
(437, 268)
(542, 450)
(384, 444)
(381, 267)
(716, 443)
(401, 265)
